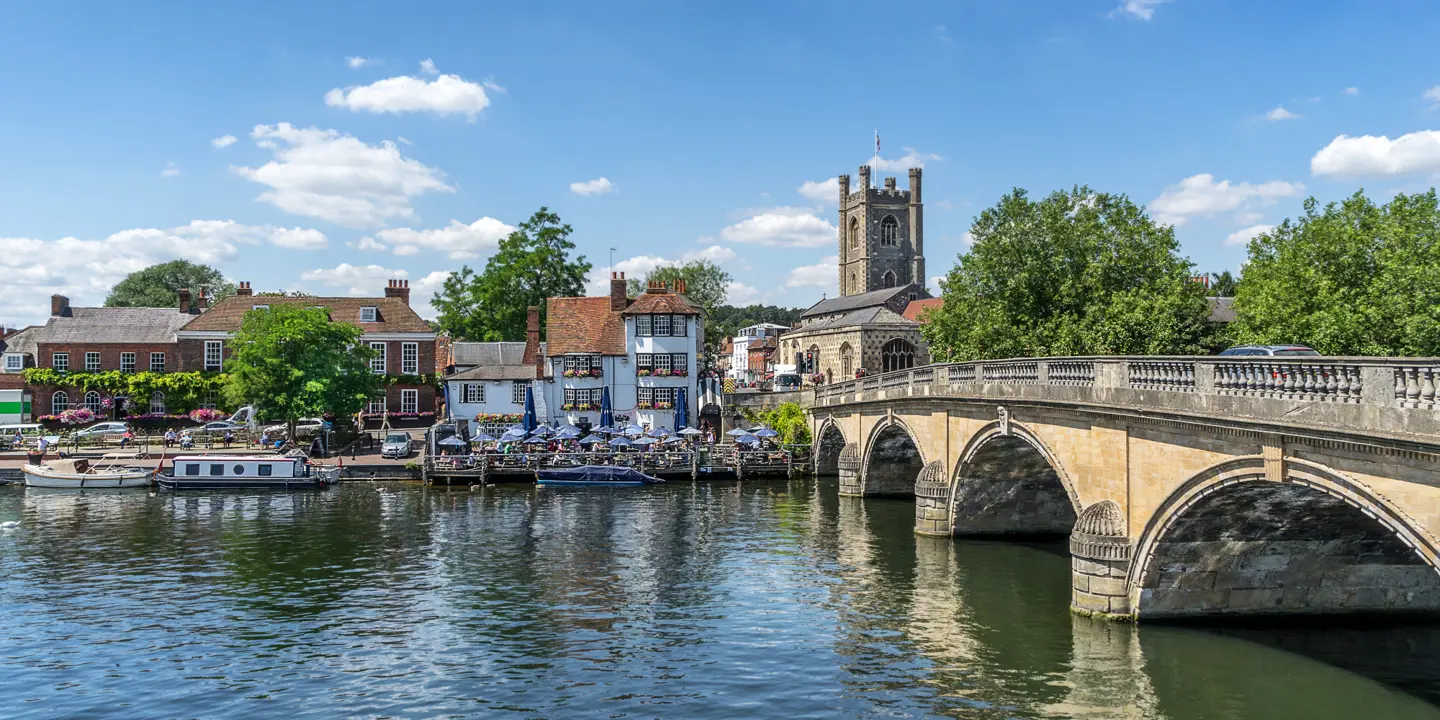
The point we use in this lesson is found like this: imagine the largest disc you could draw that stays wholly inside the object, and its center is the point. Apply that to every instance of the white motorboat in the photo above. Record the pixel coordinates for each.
(110, 471)
(221, 472)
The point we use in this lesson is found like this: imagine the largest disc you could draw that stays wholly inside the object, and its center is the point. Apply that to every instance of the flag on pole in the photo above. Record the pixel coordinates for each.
(877, 141)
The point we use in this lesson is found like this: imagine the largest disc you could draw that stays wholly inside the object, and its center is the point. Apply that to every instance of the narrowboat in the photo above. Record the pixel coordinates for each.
(246, 472)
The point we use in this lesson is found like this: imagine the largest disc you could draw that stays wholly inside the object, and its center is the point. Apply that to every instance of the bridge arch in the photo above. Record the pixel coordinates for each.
(829, 441)
(893, 460)
(1298, 539)
(1008, 482)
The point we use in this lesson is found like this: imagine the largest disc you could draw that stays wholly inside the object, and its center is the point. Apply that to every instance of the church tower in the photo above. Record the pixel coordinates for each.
(882, 239)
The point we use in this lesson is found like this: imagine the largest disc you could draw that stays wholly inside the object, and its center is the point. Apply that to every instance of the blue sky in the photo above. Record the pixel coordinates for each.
(254, 138)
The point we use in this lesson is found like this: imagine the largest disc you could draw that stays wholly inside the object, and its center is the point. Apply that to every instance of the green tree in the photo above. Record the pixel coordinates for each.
(1223, 284)
(292, 362)
(725, 320)
(1354, 279)
(532, 264)
(1078, 273)
(788, 419)
(160, 285)
(706, 284)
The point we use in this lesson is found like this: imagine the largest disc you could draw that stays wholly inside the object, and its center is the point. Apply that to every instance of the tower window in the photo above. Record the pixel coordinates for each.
(889, 279)
(854, 233)
(889, 231)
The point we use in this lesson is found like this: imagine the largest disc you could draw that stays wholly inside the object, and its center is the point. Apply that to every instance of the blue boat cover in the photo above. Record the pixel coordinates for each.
(599, 475)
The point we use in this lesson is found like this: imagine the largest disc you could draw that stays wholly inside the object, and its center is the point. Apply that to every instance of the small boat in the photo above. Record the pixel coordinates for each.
(246, 472)
(109, 471)
(594, 475)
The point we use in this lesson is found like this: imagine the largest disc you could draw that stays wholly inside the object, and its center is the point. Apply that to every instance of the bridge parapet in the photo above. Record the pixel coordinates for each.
(1368, 395)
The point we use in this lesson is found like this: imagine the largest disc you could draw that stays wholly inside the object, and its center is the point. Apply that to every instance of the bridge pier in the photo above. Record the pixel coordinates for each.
(848, 466)
(932, 501)
(1100, 562)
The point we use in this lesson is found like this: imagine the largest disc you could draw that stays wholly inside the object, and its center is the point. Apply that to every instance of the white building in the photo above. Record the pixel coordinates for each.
(485, 382)
(740, 350)
(642, 350)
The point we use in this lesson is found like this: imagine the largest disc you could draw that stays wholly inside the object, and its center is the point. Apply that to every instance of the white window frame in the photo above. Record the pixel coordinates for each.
(656, 325)
(643, 394)
(127, 356)
(259, 307)
(677, 326)
(92, 361)
(93, 406)
(680, 361)
(472, 392)
(214, 354)
(660, 361)
(157, 403)
(410, 358)
(642, 326)
(409, 400)
(211, 401)
(517, 392)
(157, 366)
(59, 402)
(569, 396)
(662, 394)
(60, 361)
(14, 362)
(643, 361)
(369, 314)
(376, 406)
(377, 363)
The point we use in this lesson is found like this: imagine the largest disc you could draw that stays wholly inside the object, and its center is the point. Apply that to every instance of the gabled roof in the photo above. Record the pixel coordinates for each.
(1222, 309)
(471, 354)
(393, 315)
(663, 303)
(583, 325)
(866, 316)
(89, 325)
(22, 341)
(918, 308)
(845, 303)
(496, 372)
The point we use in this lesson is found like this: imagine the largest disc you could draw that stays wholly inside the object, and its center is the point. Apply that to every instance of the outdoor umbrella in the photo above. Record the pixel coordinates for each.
(512, 435)
(747, 439)
(643, 440)
(659, 432)
(452, 441)
(535, 441)
(592, 440)
(738, 432)
(620, 442)
(682, 409)
(528, 419)
(766, 433)
(544, 431)
(674, 440)
(690, 431)
(568, 432)
(607, 415)
(482, 437)
(517, 427)
(633, 429)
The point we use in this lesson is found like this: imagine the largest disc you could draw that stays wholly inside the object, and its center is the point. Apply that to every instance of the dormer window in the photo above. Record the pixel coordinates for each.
(369, 314)
(259, 307)
(14, 362)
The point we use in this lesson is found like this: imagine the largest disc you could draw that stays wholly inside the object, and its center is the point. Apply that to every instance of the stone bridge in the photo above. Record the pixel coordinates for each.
(1188, 486)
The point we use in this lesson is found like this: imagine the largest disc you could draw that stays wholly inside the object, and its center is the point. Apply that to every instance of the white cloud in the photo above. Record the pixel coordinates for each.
(423, 291)
(427, 66)
(598, 186)
(171, 170)
(1351, 91)
(359, 62)
(911, 159)
(934, 285)
(1369, 156)
(1143, 9)
(370, 243)
(298, 238)
(598, 282)
(822, 274)
(1245, 235)
(714, 253)
(358, 280)
(825, 191)
(1280, 113)
(461, 241)
(444, 95)
(85, 270)
(783, 226)
(1433, 94)
(944, 205)
(967, 238)
(1200, 195)
(223, 142)
(336, 177)
(738, 293)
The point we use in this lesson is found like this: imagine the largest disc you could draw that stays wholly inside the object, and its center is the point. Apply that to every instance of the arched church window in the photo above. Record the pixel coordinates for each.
(889, 279)
(854, 285)
(889, 231)
(847, 361)
(854, 233)
(898, 354)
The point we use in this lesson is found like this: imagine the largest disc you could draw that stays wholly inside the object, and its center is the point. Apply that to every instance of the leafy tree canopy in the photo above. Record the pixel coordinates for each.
(1223, 284)
(706, 284)
(788, 419)
(292, 362)
(1354, 279)
(1078, 273)
(160, 285)
(532, 264)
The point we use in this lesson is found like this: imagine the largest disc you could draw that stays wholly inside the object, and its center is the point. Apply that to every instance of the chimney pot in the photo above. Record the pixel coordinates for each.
(244, 289)
(398, 289)
(184, 294)
(59, 305)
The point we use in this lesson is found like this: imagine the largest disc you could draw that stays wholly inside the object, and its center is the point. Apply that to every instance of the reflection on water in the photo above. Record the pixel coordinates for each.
(686, 601)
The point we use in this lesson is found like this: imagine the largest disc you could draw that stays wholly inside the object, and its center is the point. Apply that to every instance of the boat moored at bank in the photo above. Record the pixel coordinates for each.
(219, 472)
(115, 470)
(595, 475)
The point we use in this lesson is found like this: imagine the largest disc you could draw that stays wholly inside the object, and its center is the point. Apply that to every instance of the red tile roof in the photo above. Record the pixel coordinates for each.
(583, 325)
(662, 303)
(393, 314)
(917, 309)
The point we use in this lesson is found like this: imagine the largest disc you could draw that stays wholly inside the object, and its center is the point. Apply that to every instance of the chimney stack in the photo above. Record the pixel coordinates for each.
(202, 303)
(399, 289)
(619, 299)
(680, 286)
(59, 305)
(532, 341)
(244, 289)
(184, 300)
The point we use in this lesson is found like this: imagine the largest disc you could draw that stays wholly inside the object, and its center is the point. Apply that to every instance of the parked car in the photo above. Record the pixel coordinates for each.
(100, 430)
(218, 427)
(396, 445)
(1270, 351)
(304, 427)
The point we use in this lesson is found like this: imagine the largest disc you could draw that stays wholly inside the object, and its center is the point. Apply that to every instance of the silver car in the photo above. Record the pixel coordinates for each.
(396, 445)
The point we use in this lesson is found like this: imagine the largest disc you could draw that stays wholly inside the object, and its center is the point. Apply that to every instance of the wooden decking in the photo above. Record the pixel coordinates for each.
(720, 462)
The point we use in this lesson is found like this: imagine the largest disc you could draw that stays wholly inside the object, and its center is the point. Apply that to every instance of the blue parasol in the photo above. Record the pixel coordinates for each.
(659, 432)
(607, 414)
(643, 440)
(738, 432)
(747, 439)
(528, 421)
(766, 433)
(682, 409)
(633, 429)
(620, 442)
(674, 440)
(569, 432)
(482, 437)
(544, 431)
(592, 440)
(690, 431)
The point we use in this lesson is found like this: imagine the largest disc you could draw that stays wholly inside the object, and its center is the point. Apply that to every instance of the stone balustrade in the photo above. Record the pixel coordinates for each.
(1389, 396)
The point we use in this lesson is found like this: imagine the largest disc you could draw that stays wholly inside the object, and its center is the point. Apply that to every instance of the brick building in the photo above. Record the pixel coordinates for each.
(405, 343)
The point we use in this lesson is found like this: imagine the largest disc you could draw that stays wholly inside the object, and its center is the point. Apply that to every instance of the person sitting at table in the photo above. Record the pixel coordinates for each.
(186, 441)
(170, 437)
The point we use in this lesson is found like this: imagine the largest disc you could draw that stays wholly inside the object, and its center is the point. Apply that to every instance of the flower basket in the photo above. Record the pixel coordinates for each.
(678, 373)
(497, 418)
(644, 405)
(664, 405)
(643, 372)
(595, 372)
(661, 373)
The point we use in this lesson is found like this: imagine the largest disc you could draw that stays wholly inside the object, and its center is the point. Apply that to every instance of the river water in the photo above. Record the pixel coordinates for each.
(774, 599)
